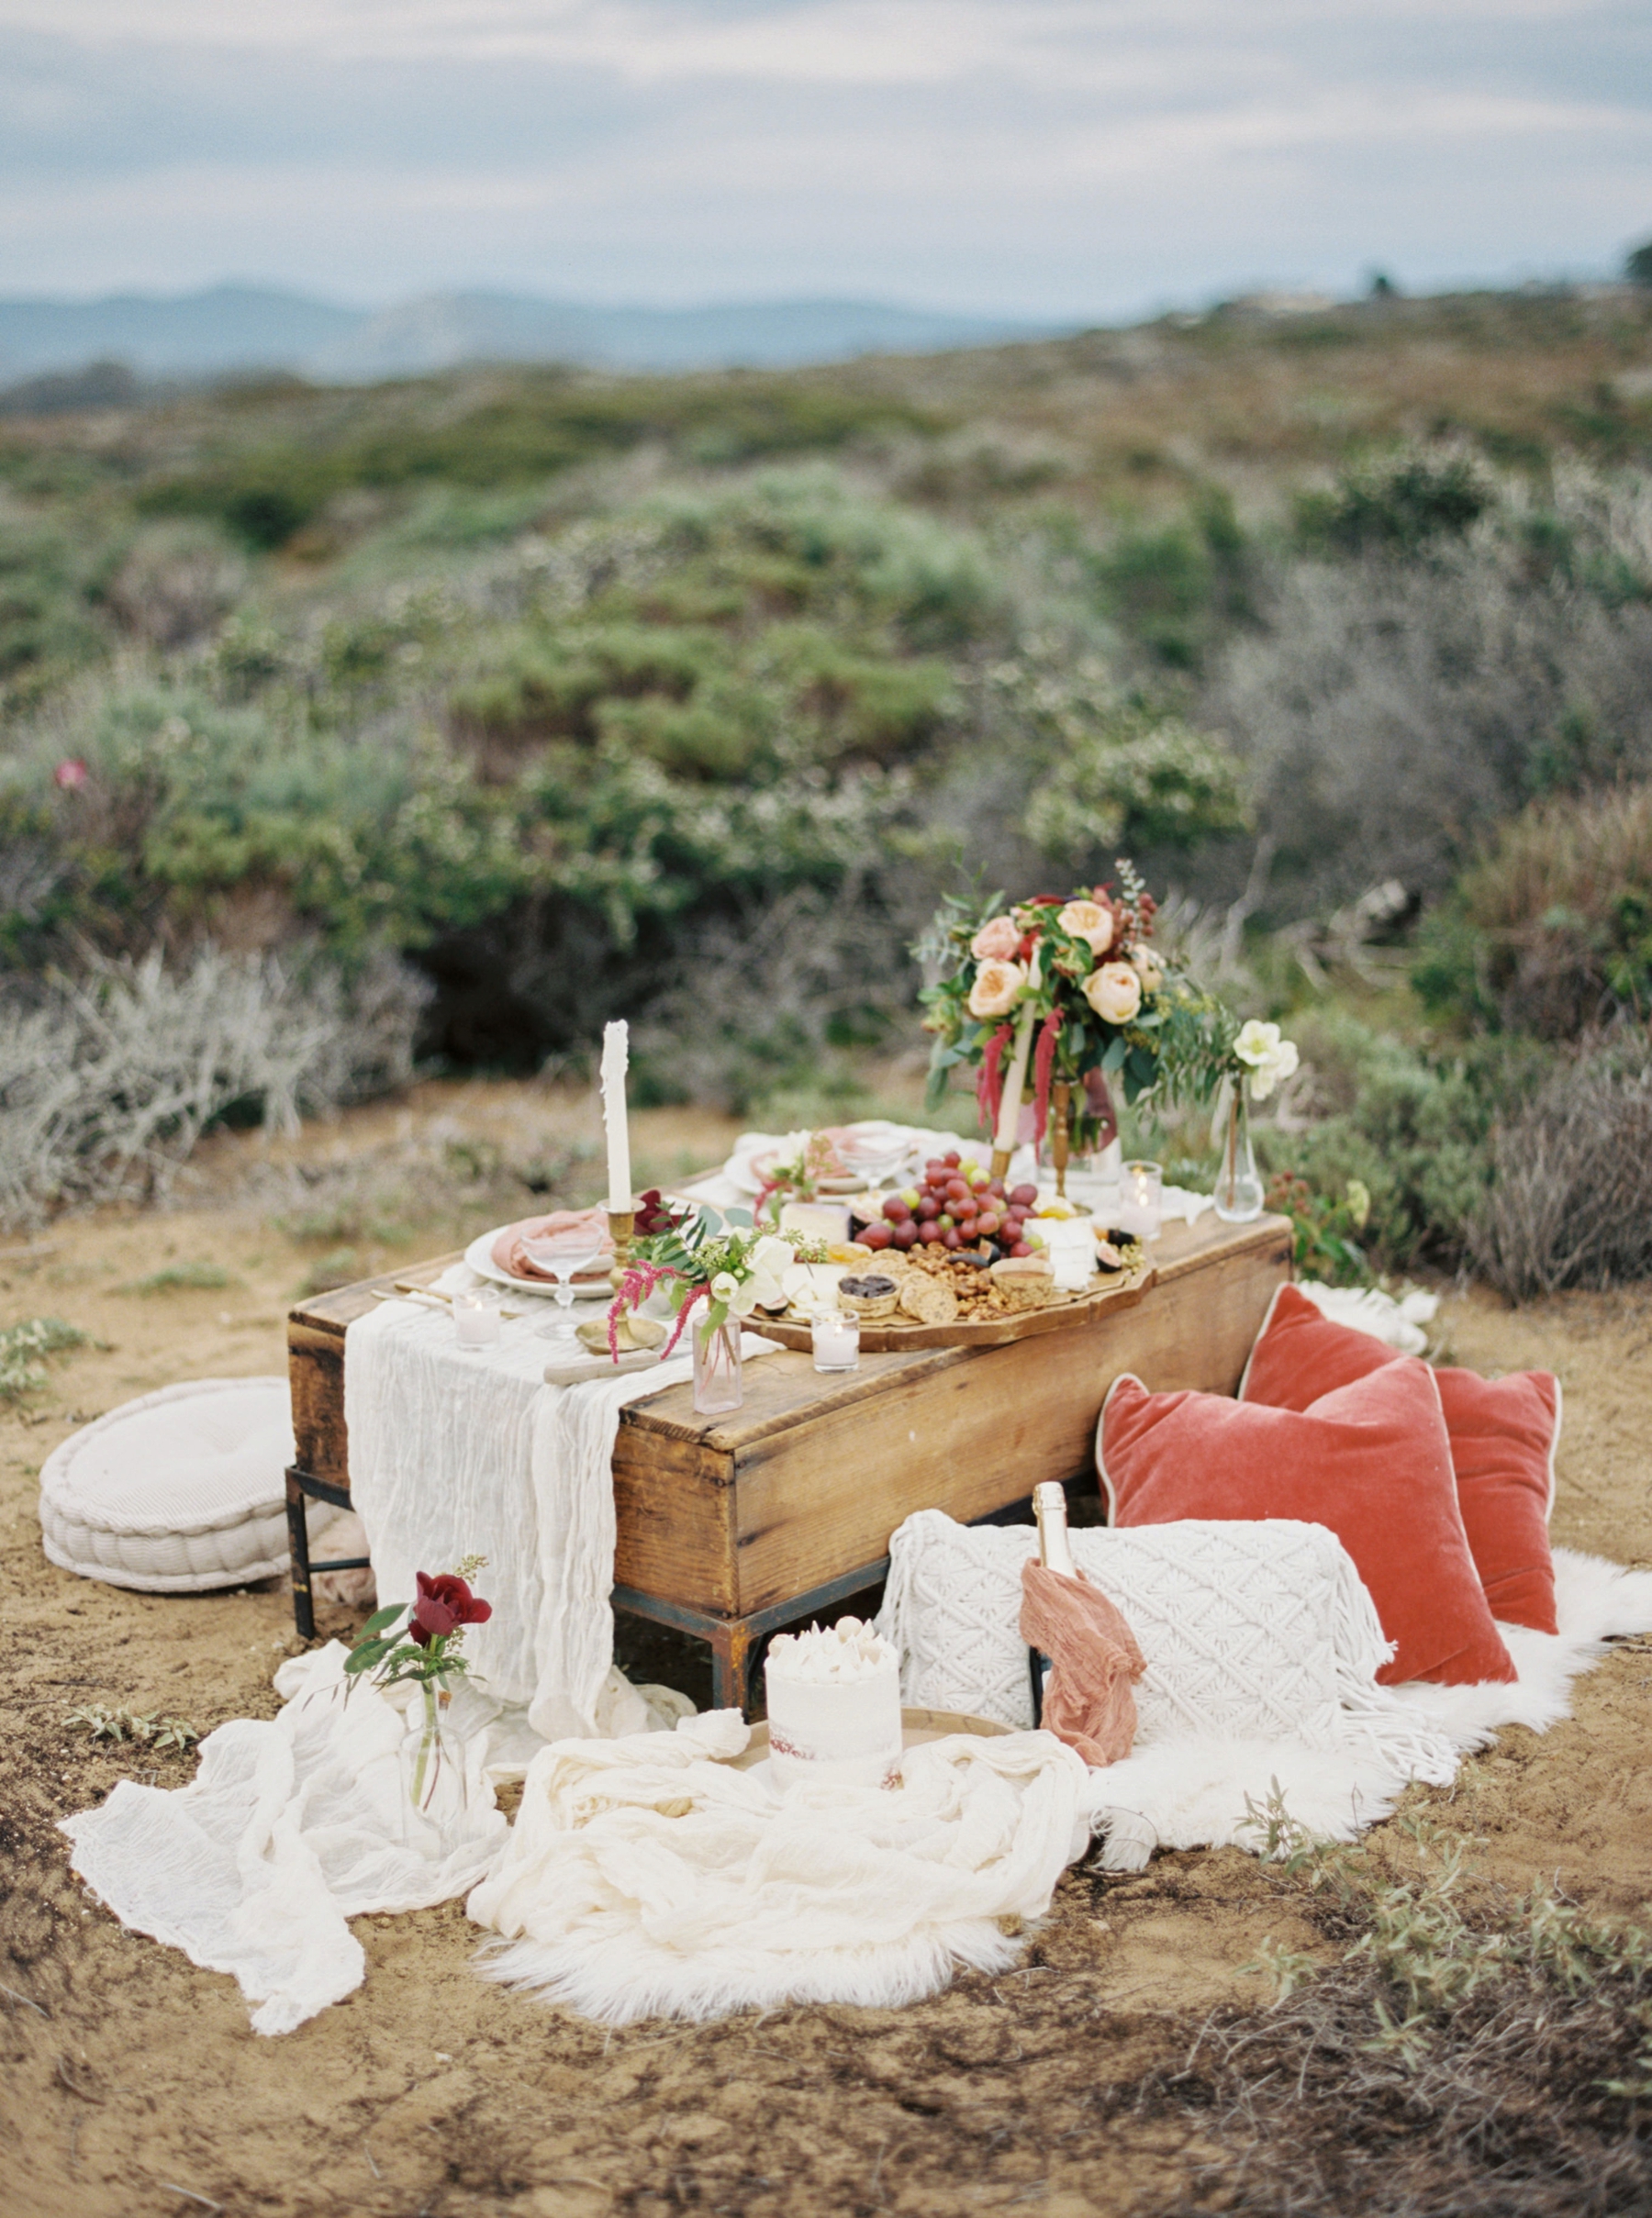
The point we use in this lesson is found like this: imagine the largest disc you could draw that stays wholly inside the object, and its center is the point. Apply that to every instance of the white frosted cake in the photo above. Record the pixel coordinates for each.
(833, 1706)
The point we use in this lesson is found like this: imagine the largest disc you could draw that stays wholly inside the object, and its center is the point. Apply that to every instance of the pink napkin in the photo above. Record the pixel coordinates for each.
(1093, 1662)
(511, 1253)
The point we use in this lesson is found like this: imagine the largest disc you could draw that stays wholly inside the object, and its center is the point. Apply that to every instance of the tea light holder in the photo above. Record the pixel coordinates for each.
(836, 1337)
(476, 1318)
(1141, 1200)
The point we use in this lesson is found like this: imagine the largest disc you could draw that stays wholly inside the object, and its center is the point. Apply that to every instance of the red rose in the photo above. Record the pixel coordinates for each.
(444, 1603)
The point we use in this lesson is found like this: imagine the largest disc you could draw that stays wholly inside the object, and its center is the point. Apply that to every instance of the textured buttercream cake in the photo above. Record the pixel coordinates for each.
(834, 1706)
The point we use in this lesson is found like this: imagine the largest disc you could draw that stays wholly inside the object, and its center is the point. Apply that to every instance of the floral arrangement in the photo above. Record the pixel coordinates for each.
(795, 1170)
(718, 1258)
(426, 1649)
(1066, 990)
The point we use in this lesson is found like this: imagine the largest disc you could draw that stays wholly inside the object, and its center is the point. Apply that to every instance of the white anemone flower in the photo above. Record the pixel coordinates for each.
(1268, 1055)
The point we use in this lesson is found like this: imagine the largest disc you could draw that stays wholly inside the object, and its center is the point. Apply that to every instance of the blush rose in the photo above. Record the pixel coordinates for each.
(997, 941)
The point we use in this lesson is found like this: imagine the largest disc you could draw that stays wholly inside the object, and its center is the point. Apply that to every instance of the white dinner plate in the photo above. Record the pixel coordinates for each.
(479, 1256)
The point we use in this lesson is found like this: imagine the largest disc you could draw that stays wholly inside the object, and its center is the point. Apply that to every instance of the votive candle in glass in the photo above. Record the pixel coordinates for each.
(1141, 1200)
(836, 1337)
(476, 1318)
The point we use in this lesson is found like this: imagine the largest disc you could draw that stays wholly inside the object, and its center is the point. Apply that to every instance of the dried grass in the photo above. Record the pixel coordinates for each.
(1571, 1200)
(107, 1082)
(1453, 2064)
(1564, 905)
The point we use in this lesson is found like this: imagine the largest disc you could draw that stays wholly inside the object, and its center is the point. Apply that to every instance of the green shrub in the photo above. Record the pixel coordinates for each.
(1399, 506)
(1551, 933)
(1412, 1129)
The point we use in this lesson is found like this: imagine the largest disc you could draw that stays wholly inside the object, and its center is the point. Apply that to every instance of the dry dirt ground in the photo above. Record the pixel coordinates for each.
(131, 2083)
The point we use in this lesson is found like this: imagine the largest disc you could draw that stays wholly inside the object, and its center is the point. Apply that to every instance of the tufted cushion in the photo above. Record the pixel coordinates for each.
(1503, 1433)
(180, 1491)
(1248, 1630)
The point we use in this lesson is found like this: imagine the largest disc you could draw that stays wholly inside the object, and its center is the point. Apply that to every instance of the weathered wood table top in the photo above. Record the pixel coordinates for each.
(730, 1525)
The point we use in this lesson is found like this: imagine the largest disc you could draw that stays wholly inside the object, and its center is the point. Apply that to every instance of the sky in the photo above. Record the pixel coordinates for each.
(1086, 160)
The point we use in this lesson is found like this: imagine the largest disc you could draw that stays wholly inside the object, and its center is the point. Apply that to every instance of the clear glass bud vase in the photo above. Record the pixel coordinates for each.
(717, 1384)
(432, 1764)
(1238, 1182)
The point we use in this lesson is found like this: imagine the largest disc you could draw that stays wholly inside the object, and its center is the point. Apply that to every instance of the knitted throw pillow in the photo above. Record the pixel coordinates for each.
(1504, 1434)
(1250, 1631)
(1370, 1461)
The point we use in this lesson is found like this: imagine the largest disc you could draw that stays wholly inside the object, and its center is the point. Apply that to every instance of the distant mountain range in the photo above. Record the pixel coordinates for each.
(229, 330)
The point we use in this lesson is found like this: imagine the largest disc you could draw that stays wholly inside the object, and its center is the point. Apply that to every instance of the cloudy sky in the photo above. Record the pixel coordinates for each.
(1068, 158)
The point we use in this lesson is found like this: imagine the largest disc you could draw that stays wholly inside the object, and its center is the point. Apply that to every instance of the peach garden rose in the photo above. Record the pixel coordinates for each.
(997, 989)
(1090, 920)
(997, 941)
(1114, 992)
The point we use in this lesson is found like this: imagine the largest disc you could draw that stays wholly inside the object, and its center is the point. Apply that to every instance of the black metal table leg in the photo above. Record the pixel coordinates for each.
(733, 1641)
(300, 1487)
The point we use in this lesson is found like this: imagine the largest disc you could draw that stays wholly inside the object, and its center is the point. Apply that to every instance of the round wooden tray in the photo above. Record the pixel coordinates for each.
(916, 1726)
(1120, 1290)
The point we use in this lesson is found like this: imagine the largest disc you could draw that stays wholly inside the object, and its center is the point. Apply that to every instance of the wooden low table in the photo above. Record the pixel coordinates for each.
(729, 1527)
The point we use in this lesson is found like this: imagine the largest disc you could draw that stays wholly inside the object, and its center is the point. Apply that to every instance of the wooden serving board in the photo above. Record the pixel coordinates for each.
(885, 1335)
(917, 1726)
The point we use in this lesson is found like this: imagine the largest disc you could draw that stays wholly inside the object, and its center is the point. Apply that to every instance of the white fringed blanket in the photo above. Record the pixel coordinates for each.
(645, 1878)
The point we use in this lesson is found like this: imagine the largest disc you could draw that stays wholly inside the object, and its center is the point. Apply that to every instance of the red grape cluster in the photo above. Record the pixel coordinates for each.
(957, 1206)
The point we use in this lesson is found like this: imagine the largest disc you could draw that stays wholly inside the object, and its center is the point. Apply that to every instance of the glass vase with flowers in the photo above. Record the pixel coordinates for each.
(1062, 998)
(426, 1652)
(716, 1267)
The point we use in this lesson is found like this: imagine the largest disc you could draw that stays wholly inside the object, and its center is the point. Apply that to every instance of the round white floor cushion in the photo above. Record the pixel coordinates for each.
(179, 1491)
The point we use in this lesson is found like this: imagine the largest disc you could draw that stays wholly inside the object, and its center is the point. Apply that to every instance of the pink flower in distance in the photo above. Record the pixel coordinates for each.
(71, 774)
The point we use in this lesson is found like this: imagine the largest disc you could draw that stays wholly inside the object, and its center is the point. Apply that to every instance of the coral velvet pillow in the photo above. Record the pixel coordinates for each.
(1503, 1433)
(1370, 1460)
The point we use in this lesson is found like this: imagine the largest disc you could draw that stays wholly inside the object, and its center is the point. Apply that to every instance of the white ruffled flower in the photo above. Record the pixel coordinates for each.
(1266, 1054)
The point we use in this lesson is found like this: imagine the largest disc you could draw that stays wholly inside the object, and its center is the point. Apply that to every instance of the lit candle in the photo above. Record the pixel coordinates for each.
(1009, 1108)
(476, 1318)
(616, 1040)
(836, 1338)
(1140, 1199)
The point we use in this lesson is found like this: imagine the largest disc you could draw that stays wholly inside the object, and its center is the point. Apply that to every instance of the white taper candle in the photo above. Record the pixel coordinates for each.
(1015, 1079)
(616, 1055)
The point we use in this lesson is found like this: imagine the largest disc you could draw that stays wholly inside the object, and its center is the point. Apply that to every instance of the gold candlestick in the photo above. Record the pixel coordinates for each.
(1061, 1134)
(623, 1227)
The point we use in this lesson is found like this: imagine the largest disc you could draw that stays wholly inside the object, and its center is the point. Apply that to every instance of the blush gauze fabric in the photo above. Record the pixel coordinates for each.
(1503, 1433)
(1094, 1663)
(1370, 1461)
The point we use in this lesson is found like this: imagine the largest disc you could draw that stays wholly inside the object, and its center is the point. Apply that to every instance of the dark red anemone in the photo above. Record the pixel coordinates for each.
(445, 1602)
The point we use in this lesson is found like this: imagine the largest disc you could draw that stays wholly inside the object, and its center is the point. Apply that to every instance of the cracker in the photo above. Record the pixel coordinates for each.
(930, 1300)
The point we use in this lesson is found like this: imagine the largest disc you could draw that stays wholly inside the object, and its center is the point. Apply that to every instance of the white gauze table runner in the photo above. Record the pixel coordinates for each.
(458, 1452)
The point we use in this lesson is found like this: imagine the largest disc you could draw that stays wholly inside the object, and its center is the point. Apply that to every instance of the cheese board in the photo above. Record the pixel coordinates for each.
(1107, 1296)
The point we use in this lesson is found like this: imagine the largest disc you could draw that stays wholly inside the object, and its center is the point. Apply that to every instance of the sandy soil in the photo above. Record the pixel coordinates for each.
(131, 2083)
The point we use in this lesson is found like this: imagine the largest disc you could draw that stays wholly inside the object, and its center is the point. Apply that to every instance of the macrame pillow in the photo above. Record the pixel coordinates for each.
(1371, 1461)
(1250, 1631)
(1504, 1434)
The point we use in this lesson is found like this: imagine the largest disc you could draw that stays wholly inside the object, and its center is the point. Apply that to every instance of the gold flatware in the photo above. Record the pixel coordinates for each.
(405, 1291)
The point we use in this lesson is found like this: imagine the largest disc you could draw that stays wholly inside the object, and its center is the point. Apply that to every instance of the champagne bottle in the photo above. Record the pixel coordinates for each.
(1055, 1554)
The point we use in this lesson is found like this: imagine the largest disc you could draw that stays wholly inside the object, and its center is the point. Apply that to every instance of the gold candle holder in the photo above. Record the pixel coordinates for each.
(622, 1231)
(1061, 1134)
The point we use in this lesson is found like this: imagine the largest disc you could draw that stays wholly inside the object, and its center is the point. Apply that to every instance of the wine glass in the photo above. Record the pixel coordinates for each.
(563, 1255)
